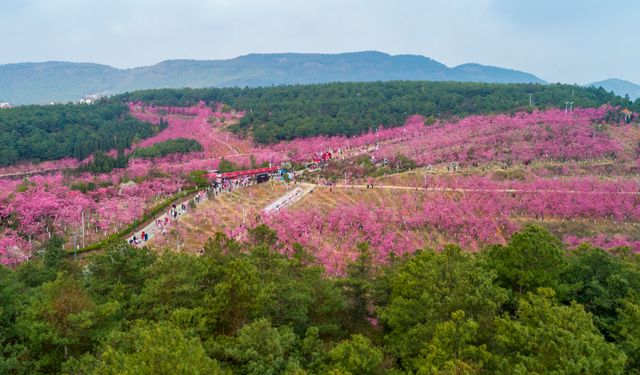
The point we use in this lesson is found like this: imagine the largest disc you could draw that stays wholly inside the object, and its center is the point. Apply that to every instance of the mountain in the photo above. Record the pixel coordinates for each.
(619, 87)
(45, 82)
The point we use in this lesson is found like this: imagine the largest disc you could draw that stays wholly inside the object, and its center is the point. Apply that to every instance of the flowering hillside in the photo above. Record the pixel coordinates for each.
(547, 152)
(473, 212)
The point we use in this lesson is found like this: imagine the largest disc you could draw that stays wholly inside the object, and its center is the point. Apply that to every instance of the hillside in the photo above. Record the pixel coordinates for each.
(287, 112)
(265, 115)
(28, 83)
(394, 222)
(619, 87)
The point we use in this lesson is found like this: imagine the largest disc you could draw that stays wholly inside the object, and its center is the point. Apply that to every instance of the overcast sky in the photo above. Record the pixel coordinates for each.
(558, 40)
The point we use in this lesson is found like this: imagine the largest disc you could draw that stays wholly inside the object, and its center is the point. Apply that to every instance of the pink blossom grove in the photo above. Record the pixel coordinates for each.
(559, 152)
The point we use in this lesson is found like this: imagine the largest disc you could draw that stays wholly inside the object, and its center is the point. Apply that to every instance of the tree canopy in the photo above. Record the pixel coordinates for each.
(244, 307)
(285, 112)
(35, 133)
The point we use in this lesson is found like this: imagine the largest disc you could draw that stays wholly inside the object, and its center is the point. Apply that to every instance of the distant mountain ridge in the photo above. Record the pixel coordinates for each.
(619, 87)
(39, 83)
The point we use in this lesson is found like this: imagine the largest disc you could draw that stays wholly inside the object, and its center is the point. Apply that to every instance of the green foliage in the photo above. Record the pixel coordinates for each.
(172, 146)
(454, 349)
(83, 187)
(403, 163)
(228, 166)
(102, 163)
(545, 337)
(358, 288)
(628, 333)
(247, 308)
(148, 348)
(234, 299)
(47, 262)
(118, 273)
(533, 258)
(601, 282)
(173, 281)
(34, 133)
(259, 349)
(10, 306)
(356, 356)
(296, 293)
(198, 178)
(24, 186)
(53, 252)
(263, 235)
(427, 289)
(61, 321)
(285, 112)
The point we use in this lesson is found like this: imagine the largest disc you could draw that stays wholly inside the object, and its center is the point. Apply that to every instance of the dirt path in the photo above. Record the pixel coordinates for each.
(234, 150)
(152, 228)
(29, 173)
(471, 190)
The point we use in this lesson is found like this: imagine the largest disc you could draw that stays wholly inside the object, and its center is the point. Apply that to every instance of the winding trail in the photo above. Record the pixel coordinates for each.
(472, 190)
(30, 173)
(152, 228)
(235, 151)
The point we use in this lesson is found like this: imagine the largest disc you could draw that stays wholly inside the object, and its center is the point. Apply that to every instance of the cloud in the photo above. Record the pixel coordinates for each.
(569, 41)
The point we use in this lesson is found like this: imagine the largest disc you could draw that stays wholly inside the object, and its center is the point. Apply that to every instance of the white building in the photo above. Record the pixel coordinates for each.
(5, 105)
(90, 99)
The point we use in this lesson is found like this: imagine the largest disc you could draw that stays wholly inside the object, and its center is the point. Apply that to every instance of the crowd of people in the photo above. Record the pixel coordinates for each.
(216, 188)
(229, 185)
(163, 222)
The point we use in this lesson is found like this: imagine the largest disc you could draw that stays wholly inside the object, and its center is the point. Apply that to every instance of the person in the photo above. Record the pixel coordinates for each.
(143, 236)
(164, 231)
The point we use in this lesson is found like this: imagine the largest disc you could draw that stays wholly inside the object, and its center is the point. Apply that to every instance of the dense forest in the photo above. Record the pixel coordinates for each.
(287, 112)
(172, 146)
(272, 114)
(244, 308)
(35, 133)
(102, 163)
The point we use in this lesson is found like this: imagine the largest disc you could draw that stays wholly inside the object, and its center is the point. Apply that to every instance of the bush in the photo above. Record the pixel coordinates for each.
(172, 146)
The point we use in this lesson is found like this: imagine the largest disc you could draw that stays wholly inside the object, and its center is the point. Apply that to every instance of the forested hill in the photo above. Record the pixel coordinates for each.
(245, 308)
(287, 112)
(39, 83)
(35, 133)
(274, 113)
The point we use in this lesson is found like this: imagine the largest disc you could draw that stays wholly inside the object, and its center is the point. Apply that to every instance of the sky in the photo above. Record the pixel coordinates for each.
(570, 41)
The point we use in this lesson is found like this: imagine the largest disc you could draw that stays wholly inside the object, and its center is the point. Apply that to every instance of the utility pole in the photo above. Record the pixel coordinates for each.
(83, 244)
(530, 100)
(177, 238)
